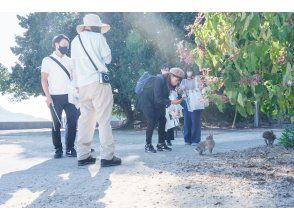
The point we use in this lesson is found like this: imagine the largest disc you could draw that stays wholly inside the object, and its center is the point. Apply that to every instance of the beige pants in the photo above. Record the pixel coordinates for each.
(96, 102)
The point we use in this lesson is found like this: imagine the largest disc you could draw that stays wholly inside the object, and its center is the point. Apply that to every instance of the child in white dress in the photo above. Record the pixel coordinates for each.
(173, 113)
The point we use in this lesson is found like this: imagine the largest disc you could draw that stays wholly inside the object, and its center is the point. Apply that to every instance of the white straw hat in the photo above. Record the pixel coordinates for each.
(93, 20)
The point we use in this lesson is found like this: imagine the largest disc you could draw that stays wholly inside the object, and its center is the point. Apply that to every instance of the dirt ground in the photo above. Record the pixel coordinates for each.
(241, 172)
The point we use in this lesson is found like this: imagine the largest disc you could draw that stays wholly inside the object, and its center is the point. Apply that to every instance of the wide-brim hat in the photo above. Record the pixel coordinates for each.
(95, 21)
(178, 72)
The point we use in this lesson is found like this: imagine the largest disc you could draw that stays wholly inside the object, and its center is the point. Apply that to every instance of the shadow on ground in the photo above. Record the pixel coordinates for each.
(180, 178)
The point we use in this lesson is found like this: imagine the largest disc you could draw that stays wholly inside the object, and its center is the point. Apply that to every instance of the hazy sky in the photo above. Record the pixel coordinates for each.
(10, 28)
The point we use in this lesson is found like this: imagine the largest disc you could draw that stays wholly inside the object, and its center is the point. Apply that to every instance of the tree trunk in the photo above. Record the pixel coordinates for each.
(129, 113)
(234, 121)
(256, 115)
(130, 118)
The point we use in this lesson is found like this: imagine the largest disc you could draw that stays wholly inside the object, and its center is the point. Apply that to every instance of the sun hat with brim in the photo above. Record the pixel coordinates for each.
(94, 21)
(178, 72)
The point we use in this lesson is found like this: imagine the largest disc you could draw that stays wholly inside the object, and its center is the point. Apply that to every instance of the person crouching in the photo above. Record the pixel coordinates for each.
(154, 100)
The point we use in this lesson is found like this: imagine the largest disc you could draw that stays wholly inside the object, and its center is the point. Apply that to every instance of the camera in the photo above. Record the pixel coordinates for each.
(104, 77)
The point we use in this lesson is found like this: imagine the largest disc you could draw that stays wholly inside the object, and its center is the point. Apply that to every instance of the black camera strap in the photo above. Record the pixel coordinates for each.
(87, 53)
(62, 67)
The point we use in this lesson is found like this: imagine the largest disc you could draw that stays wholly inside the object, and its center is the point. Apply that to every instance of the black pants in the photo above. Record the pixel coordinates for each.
(170, 135)
(61, 104)
(154, 116)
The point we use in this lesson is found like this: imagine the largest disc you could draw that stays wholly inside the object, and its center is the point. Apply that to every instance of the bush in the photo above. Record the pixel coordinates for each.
(287, 138)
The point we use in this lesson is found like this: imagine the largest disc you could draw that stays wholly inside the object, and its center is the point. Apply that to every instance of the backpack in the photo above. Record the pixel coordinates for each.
(146, 77)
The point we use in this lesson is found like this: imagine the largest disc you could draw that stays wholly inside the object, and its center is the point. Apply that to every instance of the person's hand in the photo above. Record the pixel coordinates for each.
(176, 101)
(49, 101)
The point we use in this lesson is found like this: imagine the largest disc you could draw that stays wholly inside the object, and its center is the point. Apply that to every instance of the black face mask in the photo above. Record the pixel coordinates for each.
(63, 50)
(96, 29)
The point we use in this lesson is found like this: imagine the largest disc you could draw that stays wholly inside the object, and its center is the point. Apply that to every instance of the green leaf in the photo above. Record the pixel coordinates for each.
(243, 16)
(247, 21)
(214, 61)
(252, 62)
(259, 90)
(232, 96)
(241, 110)
(249, 108)
(240, 99)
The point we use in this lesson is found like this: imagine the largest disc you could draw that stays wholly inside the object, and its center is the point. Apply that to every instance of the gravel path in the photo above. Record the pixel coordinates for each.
(240, 173)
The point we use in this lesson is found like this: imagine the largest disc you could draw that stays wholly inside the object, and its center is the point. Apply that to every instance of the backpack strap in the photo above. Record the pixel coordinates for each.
(62, 67)
(96, 68)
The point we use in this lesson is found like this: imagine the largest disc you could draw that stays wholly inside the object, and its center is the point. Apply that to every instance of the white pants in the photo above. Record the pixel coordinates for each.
(96, 102)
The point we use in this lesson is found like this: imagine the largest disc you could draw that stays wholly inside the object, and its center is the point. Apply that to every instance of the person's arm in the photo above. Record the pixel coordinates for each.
(73, 63)
(45, 86)
(107, 59)
(105, 50)
(45, 70)
(73, 74)
(158, 98)
(74, 79)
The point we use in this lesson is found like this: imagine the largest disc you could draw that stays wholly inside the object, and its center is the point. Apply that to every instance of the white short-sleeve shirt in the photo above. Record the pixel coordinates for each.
(99, 51)
(58, 80)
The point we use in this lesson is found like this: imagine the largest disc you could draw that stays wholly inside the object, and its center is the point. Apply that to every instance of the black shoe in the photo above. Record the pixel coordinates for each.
(115, 161)
(58, 153)
(89, 160)
(163, 147)
(71, 153)
(169, 143)
(149, 148)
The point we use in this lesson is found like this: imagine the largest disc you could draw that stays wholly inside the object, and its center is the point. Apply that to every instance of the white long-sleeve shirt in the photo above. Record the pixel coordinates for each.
(99, 51)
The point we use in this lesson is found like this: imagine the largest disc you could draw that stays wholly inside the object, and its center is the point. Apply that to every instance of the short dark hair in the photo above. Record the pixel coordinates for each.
(58, 38)
(165, 66)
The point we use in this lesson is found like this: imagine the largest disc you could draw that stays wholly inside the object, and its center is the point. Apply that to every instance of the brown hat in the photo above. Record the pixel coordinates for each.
(178, 72)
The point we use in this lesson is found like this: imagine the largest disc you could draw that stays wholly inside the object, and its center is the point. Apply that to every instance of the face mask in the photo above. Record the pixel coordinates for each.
(63, 50)
(96, 29)
(189, 74)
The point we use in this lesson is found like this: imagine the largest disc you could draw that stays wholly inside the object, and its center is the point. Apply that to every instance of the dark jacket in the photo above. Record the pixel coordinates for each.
(155, 96)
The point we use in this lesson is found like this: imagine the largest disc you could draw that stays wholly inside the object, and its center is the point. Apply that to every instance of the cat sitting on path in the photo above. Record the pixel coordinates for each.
(206, 145)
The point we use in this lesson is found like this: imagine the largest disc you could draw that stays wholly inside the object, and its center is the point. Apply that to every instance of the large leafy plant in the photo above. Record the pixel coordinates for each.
(252, 55)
